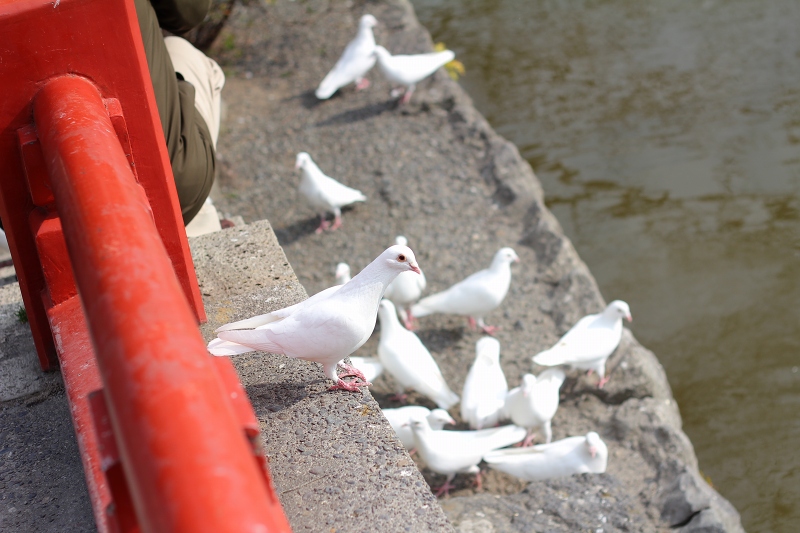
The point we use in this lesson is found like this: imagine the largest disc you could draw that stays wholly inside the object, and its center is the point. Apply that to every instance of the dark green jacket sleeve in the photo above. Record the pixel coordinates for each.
(180, 16)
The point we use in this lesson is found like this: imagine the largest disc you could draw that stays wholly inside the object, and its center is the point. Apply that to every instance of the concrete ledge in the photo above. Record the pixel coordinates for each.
(336, 463)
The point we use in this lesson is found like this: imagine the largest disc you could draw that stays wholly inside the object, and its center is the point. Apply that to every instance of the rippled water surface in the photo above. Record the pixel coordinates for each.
(667, 138)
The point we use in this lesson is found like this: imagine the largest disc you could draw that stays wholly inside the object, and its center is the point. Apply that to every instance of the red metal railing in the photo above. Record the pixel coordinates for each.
(168, 439)
(188, 462)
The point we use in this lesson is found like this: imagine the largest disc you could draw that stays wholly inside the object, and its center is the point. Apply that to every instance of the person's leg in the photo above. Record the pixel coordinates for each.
(204, 74)
(189, 142)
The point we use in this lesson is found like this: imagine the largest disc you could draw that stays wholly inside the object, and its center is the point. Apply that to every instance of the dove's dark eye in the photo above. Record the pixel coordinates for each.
(401, 258)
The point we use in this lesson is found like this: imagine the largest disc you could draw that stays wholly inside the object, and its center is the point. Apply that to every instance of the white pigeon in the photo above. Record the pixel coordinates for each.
(574, 455)
(533, 404)
(459, 452)
(324, 193)
(4, 241)
(405, 290)
(327, 327)
(371, 367)
(400, 420)
(356, 60)
(342, 274)
(485, 388)
(474, 296)
(408, 360)
(408, 70)
(590, 342)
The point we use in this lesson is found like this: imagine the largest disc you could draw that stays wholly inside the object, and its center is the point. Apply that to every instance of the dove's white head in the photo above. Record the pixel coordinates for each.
(302, 159)
(367, 21)
(440, 417)
(619, 309)
(594, 443)
(528, 384)
(488, 350)
(342, 273)
(505, 255)
(419, 423)
(400, 258)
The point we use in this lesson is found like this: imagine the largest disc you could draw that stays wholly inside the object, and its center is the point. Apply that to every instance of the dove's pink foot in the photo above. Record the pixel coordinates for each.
(409, 321)
(445, 489)
(490, 330)
(478, 482)
(603, 381)
(362, 84)
(337, 223)
(352, 386)
(402, 398)
(352, 371)
(471, 322)
(323, 225)
(589, 372)
(406, 96)
(528, 440)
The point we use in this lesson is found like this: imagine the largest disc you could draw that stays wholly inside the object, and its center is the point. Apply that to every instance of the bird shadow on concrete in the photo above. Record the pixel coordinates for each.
(355, 115)
(309, 100)
(439, 339)
(274, 397)
(296, 231)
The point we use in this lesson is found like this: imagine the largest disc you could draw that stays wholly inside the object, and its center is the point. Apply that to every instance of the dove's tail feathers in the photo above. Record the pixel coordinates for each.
(328, 86)
(253, 339)
(249, 323)
(223, 348)
(549, 358)
(511, 455)
(430, 305)
(446, 399)
(553, 377)
(503, 436)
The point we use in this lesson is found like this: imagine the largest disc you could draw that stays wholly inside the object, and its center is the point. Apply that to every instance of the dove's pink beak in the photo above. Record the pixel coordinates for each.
(451, 421)
(592, 451)
(629, 318)
(297, 165)
(415, 268)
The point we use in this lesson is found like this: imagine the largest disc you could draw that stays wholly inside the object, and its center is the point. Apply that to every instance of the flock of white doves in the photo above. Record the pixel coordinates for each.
(334, 323)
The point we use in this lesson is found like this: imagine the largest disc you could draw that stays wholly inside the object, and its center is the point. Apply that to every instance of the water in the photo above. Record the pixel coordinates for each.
(667, 138)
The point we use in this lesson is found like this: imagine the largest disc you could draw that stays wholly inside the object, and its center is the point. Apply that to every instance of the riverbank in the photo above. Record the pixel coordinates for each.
(436, 172)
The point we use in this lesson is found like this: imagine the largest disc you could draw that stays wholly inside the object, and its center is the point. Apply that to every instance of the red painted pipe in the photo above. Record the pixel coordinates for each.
(187, 461)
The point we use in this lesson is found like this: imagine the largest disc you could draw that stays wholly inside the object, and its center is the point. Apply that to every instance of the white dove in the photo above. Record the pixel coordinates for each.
(400, 420)
(4, 241)
(485, 389)
(405, 290)
(324, 193)
(565, 457)
(459, 452)
(474, 296)
(357, 59)
(342, 274)
(327, 327)
(408, 70)
(408, 360)
(534, 403)
(590, 342)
